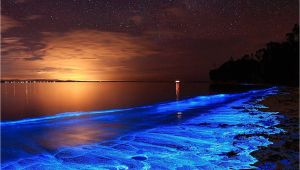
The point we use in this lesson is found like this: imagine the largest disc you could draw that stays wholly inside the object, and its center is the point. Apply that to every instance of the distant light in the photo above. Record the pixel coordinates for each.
(177, 81)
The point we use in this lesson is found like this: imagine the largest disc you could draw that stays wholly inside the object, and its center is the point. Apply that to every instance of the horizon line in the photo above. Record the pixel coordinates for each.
(58, 80)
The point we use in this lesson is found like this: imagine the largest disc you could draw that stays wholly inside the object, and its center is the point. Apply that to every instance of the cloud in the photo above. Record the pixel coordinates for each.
(94, 44)
(12, 47)
(8, 23)
(175, 12)
(136, 19)
(34, 58)
(21, 1)
(96, 54)
(53, 69)
(33, 17)
(81, 54)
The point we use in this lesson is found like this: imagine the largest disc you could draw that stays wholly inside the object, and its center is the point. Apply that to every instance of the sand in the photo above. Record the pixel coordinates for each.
(284, 152)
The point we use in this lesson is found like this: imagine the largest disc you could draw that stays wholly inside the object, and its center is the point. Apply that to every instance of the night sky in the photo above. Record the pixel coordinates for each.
(135, 40)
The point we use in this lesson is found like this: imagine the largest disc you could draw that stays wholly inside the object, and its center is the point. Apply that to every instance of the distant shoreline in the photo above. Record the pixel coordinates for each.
(98, 81)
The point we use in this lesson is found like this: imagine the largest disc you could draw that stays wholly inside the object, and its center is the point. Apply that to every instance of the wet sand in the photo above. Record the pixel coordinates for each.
(284, 152)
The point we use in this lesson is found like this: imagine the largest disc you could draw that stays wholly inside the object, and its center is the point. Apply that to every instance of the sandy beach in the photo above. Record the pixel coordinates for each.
(283, 153)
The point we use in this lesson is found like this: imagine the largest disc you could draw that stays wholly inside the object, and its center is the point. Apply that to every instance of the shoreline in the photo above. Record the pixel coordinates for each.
(220, 138)
(284, 152)
(237, 134)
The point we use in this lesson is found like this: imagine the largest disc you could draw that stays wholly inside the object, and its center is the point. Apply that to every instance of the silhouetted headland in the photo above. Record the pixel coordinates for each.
(277, 63)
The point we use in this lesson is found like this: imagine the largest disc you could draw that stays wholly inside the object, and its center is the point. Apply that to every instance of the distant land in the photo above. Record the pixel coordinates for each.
(39, 80)
(96, 81)
(276, 63)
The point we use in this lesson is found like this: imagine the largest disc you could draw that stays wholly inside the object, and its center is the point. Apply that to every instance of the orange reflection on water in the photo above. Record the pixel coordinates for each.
(177, 90)
(72, 135)
(41, 99)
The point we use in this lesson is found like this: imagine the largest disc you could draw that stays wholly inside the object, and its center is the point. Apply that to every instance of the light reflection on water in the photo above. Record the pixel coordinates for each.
(42, 99)
(49, 133)
(77, 134)
(177, 90)
(155, 136)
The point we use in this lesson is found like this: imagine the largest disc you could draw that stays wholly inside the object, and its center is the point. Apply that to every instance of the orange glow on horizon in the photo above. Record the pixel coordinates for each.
(78, 55)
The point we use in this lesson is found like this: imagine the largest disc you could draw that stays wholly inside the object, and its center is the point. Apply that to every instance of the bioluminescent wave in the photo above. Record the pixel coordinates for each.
(178, 105)
(205, 132)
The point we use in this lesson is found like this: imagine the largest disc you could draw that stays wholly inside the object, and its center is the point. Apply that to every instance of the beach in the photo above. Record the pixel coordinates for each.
(218, 131)
(284, 152)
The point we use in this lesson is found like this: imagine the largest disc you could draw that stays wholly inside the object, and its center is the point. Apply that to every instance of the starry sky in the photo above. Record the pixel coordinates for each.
(135, 39)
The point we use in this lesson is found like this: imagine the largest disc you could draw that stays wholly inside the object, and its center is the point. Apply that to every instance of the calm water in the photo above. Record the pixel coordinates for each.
(39, 99)
(194, 133)
(71, 125)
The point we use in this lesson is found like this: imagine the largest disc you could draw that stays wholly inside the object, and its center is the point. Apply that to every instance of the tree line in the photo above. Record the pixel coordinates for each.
(276, 63)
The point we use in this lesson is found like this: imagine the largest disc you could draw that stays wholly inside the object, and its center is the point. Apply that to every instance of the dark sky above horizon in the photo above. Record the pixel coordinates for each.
(135, 40)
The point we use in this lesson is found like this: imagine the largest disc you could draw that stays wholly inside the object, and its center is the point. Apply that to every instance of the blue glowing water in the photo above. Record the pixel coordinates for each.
(205, 132)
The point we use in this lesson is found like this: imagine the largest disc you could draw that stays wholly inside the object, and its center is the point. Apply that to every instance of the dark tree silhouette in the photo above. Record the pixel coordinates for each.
(277, 63)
